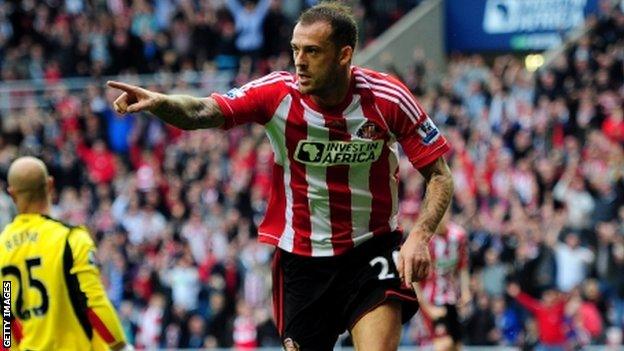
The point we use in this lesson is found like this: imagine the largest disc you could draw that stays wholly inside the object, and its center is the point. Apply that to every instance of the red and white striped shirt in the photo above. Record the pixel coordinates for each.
(335, 175)
(449, 254)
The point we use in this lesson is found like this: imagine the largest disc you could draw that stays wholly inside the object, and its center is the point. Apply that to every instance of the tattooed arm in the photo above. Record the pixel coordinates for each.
(182, 111)
(414, 258)
(187, 112)
(439, 191)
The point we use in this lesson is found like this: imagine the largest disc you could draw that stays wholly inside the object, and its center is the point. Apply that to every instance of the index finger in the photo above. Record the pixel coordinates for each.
(400, 268)
(422, 270)
(123, 86)
(408, 266)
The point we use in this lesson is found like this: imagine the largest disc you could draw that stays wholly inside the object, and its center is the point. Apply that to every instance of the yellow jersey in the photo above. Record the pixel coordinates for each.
(57, 298)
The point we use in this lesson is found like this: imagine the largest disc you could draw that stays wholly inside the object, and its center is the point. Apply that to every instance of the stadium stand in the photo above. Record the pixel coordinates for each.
(538, 163)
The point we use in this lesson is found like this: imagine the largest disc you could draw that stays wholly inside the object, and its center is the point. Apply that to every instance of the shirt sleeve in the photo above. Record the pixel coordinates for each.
(253, 102)
(528, 302)
(419, 137)
(262, 9)
(99, 310)
(235, 7)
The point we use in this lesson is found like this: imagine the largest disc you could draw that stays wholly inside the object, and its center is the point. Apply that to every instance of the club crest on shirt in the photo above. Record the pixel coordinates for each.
(331, 153)
(234, 93)
(428, 132)
(92, 259)
(370, 130)
(443, 266)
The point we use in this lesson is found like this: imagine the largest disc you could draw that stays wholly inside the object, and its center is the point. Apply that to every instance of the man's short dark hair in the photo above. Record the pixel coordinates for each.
(344, 28)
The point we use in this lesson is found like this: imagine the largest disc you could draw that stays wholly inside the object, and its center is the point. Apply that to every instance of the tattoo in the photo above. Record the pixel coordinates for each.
(187, 112)
(290, 345)
(439, 192)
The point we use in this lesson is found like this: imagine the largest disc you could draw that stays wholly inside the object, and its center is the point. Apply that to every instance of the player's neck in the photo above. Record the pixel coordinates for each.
(336, 94)
(33, 207)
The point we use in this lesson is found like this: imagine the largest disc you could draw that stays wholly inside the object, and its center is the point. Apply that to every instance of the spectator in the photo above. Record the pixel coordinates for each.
(607, 197)
(150, 323)
(592, 310)
(274, 27)
(99, 161)
(7, 209)
(508, 324)
(114, 271)
(118, 130)
(573, 262)
(617, 285)
(218, 325)
(183, 279)
(549, 314)
(613, 125)
(493, 274)
(128, 319)
(196, 332)
(197, 235)
(248, 19)
(571, 190)
(605, 264)
(153, 223)
(482, 324)
(245, 332)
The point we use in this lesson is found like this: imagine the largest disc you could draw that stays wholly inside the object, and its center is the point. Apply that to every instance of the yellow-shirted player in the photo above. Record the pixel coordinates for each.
(57, 299)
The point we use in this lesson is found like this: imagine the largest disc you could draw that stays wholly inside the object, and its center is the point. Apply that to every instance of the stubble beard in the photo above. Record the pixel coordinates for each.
(325, 87)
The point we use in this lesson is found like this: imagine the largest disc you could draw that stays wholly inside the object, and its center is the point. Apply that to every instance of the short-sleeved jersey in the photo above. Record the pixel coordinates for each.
(449, 254)
(335, 175)
(57, 298)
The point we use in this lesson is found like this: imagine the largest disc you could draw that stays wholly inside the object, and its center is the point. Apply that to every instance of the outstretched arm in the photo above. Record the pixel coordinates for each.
(528, 302)
(235, 7)
(414, 259)
(183, 111)
(263, 8)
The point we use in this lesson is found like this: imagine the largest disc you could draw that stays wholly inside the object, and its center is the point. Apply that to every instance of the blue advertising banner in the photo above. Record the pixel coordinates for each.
(512, 25)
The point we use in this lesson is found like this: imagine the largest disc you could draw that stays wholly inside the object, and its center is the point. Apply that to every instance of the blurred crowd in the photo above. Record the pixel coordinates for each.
(537, 159)
(538, 163)
(174, 214)
(90, 38)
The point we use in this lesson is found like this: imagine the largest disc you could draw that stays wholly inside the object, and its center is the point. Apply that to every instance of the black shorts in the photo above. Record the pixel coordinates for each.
(448, 325)
(315, 299)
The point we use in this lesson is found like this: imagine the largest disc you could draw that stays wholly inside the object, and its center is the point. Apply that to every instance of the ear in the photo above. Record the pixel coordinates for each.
(345, 55)
(11, 193)
(50, 184)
